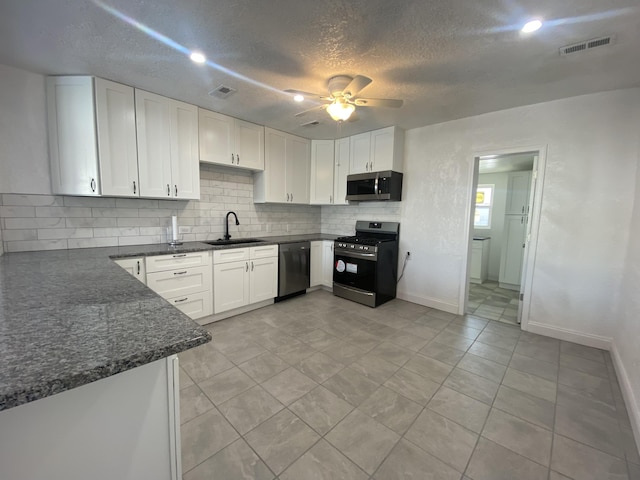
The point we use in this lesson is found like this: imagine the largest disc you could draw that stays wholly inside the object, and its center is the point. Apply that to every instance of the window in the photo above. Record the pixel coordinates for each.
(484, 202)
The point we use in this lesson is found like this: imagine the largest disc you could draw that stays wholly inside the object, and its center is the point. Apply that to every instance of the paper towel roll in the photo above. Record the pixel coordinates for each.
(174, 227)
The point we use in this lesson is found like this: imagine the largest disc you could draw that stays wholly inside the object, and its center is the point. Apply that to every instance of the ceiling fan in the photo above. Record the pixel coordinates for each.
(343, 100)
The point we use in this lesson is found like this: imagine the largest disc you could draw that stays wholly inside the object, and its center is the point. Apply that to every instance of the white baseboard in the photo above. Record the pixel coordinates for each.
(630, 400)
(429, 302)
(596, 341)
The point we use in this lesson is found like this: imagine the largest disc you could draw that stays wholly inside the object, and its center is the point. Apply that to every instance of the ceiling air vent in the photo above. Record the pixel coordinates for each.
(587, 45)
(312, 123)
(222, 92)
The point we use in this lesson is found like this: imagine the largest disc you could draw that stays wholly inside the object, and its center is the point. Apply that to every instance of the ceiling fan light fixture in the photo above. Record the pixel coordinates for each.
(298, 98)
(197, 57)
(531, 26)
(340, 110)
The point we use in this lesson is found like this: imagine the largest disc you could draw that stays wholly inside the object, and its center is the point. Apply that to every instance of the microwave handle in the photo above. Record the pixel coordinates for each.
(375, 185)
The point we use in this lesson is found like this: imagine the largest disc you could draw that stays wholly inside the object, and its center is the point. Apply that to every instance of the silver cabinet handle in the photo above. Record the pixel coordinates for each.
(330, 198)
(176, 186)
(93, 184)
(523, 209)
(181, 300)
(233, 159)
(138, 263)
(252, 266)
(287, 197)
(168, 190)
(180, 273)
(292, 197)
(246, 266)
(180, 255)
(134, 187)
(238, 158)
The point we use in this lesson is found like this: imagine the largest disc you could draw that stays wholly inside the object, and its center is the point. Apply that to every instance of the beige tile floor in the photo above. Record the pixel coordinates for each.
(488, 300)
(318, 387)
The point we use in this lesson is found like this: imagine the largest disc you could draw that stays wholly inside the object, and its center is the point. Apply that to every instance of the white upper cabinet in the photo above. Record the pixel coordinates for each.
(377, 151)
(92, 139)
(167, 133)
(285, 178)
(322, 163)
(228, 141)
(340, 171)
(518, 184)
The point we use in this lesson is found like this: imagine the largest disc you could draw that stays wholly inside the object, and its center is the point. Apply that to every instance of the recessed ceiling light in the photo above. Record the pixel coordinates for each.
(197, 57)
(531, 26)
(298, 98)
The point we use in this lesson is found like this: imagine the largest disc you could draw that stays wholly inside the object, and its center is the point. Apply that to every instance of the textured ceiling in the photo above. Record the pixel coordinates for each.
(447, 59)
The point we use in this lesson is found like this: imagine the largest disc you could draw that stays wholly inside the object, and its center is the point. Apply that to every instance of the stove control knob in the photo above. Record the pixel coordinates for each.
(366, 248)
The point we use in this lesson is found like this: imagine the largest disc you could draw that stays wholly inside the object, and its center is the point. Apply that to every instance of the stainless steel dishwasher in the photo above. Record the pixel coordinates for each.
(293, 269)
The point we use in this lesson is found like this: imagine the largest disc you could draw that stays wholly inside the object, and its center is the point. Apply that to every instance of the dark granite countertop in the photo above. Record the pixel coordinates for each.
(70, 317)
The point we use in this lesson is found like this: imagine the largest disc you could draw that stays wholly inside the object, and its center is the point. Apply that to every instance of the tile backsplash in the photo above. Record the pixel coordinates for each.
(48, 222)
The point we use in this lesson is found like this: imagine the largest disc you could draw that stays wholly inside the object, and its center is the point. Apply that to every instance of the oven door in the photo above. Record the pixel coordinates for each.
(355, 269)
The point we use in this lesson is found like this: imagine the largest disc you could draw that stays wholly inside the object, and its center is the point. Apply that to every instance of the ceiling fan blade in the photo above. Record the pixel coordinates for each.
(377, 102)
(319, 107)
(357, 84)
(304, 94)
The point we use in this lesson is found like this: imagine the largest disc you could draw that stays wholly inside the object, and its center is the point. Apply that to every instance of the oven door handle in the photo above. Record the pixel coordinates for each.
(354, 254)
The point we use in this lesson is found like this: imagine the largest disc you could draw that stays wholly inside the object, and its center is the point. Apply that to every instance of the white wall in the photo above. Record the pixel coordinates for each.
(499, 180)
(586, 209)
(24, 161)
(626, 338)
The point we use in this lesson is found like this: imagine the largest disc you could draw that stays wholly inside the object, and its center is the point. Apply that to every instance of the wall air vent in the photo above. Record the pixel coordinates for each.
(312, 123)
(222, 92)
(587, 45)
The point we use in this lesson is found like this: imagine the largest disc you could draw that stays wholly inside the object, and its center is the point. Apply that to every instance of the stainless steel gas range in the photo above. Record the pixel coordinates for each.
(366, 264)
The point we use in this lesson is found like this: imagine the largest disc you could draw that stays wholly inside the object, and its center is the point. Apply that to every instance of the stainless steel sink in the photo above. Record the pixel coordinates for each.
(234, 241)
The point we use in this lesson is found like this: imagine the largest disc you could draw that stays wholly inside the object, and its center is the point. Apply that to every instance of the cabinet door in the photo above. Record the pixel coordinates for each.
(116, 129)
(316, 264)
(515, 227)
(249, 145)
(135, 267)
(185, 168)
(274, 176)
(154, 144)
(382, 149)
(263, 275)
(216, 137)
(340, 171)
(360, 153)
(322, 162)
(72, 136)
(298, 169)
(327, 263)
(230, 286)
(518, 193)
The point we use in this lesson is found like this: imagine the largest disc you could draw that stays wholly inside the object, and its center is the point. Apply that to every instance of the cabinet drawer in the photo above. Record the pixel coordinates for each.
(195, 305)
(180, 282)
(263, 252)
(178, 260)
(230, 255)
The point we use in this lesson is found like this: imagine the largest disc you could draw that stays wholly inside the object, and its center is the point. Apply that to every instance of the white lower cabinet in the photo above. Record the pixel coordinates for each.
(135, 267)
(322, 263)
(479, 261)
(243, 276)
(184, 280)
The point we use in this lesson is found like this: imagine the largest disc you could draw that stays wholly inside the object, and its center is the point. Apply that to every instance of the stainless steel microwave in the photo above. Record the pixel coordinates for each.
(374, 186)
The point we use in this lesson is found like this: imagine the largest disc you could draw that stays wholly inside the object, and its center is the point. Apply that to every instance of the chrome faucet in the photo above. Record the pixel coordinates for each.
(226, 230)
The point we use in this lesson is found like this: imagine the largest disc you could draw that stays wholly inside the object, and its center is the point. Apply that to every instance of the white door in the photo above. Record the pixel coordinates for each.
(275, 167)
(322, 162)
(298, 169)
(230, 285)
(116, 129)
(327, 263)
(515, 227)
(216, 133)
(518, 185)
(263, 284)
(249, 145)
(316, 269)
(340, 171)
(153, 128)
(360, 153)
(185, 168)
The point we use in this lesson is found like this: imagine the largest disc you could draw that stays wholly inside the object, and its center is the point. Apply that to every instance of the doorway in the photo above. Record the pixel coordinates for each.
(504, 187)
